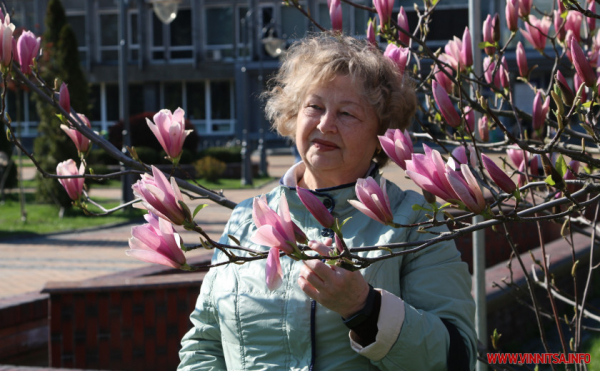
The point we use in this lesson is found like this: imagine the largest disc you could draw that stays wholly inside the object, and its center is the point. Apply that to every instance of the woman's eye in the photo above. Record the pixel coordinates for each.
(314, 106)
(347, 114)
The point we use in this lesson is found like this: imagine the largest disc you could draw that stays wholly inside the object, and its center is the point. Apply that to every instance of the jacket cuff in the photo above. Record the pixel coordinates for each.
(389, 325)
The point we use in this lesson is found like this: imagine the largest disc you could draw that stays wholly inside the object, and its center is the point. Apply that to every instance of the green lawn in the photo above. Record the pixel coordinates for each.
(43, 218)
(592, 346)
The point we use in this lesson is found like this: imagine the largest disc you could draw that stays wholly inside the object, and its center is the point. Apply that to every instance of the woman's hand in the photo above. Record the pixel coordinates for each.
(333, 287)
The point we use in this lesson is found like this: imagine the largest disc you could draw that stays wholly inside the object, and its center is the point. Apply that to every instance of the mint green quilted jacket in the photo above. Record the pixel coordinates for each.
(238, 324)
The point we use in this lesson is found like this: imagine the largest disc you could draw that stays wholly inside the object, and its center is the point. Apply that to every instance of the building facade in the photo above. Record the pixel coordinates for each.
(210, 60)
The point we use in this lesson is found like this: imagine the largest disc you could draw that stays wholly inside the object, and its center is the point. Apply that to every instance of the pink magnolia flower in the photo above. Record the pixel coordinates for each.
(466, 187)
(460, 154)
(335, 13)
(488, 72)
(156, 242)
(466, 50)
(442, 78)
(398, 55)
(484, 129)
(397, 145)
(525, 7)
(384, 10)
(537, 34)
(161, 197)
(560, 6)
(64, 100)
(573, 24)
(452, 50)
(81, 142)
(512, 14)
(577, 83)
(503, 73)
(559, 25)
(403, 24)
(315, 207)
(274, 229)
(540, 111)
(7, 40)
(488, 34)
(517, 155)
(445, 105)
(28, 47)
(273, 272)
(591, 21)
(428, 171)
(169, 129)
(470, 119)
(582, 66)
(522, 60)
(498, 176)
(371, 33)
(373, 200)
(73, 186)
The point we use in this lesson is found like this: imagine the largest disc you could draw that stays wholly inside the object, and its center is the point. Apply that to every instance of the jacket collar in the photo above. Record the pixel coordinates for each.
(334, 198)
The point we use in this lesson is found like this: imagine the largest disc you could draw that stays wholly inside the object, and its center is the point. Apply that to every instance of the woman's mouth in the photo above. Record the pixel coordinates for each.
(324, 145)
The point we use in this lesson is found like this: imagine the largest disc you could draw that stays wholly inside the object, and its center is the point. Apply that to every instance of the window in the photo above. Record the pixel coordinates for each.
(173, 41)
(132, 34)
(77, 22)
(207, 104)
(26, 115)
(219, 32)
(108, 32)
(293, 23)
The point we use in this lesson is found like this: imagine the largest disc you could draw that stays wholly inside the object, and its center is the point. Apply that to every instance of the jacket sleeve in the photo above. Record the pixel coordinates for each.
(435, 284)
(201, 347)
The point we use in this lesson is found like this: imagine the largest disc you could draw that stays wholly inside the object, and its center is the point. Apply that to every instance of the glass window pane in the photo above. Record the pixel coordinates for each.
(196, 103)
(74, 4)
(219, 26)
(181, 28)
(95, 114)
(133, 35)
(158, 55)
(293, 23)
(77, 22)
(220, 103)
(112, 103)
(109, 30)
(181, 54)
(267, 16)
(360, 21)
(157, 31)
(110, 56)
(107, 4)
(173, 95)
(136, 99)
(218, 128)
(242, 12)
(200, 128)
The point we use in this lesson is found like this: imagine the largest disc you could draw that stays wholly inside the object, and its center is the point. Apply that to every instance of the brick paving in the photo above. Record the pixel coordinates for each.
(26, 264)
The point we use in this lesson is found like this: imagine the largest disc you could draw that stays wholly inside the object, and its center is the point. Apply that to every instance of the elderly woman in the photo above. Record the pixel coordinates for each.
(333, 96)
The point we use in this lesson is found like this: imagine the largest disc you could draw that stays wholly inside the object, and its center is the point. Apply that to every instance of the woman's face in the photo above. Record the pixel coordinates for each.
(336, 134)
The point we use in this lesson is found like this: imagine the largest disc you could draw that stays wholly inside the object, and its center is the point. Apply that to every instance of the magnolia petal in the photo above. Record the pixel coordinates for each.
(273, 272)
(365, 210)
(152, 257)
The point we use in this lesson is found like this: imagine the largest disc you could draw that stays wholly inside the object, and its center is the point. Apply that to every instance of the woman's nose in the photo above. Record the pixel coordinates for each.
(328, 122)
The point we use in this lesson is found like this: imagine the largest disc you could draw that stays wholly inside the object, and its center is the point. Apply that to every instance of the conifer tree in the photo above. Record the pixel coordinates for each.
(61, 63)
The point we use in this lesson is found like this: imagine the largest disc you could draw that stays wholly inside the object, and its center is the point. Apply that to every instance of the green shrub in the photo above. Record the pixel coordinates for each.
(225, 154)
(149, 155)
(100, 157)
(210, 168)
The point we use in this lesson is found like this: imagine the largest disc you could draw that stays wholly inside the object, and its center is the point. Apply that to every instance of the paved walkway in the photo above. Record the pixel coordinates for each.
(26, 264)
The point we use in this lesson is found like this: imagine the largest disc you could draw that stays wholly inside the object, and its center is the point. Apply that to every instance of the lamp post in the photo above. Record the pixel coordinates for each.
(165, 10)
(126, 179)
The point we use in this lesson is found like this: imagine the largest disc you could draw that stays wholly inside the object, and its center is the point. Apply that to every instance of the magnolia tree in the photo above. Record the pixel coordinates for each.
(563, 141)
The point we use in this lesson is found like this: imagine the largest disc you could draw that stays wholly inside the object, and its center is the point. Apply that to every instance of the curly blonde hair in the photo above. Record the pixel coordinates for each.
(319, 59)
